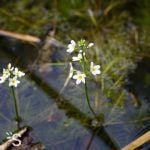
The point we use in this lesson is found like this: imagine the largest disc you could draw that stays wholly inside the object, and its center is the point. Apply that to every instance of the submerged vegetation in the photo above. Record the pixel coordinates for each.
(119, 30)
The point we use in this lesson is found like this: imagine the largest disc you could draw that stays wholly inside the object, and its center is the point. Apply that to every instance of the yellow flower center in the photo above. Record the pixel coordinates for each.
(93, 69)
(80, 77)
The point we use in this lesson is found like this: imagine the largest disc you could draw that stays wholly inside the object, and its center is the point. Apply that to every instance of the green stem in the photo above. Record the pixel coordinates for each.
(86, 89)
(18, 118)
(88, 100)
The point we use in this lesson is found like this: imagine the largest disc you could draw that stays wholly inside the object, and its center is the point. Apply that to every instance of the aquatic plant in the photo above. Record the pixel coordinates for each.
(119, 42)
(11, 76)
(86, 67)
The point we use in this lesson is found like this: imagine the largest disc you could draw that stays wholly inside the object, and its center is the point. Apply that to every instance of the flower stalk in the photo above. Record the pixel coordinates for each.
(18, 118)
(86, 88)
(11, 76)
(88, 100)
(80, 76)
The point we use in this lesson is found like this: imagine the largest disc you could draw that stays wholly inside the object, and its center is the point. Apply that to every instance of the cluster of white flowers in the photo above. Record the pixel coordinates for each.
(80, 76)
(11, 74)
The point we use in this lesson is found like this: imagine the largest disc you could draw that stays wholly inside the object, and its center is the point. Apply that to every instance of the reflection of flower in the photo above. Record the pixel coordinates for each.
(13, 82)
(95, 69)
(71, 70)
(80, 77)
(78, 58)
(71, 46)
(11, 74)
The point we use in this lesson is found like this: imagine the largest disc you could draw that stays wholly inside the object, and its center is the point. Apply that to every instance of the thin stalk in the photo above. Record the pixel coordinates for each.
(18, 118)
(88, 100)
(86, 89)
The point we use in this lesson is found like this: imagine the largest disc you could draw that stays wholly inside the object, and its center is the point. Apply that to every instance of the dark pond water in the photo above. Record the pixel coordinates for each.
(62, 121)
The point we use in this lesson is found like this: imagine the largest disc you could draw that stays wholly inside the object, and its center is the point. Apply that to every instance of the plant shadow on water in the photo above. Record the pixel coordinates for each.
(62, 121)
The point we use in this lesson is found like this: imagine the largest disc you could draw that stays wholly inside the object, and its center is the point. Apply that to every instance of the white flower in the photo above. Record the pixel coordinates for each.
(13, 82)
(71, 46)
(18, 73)
(2, 79)
(78, 58)
(80, 77)
(71, 70)
(11, 75)
(90, 45)
(6, 73)
(95, 69)
(9, 67)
